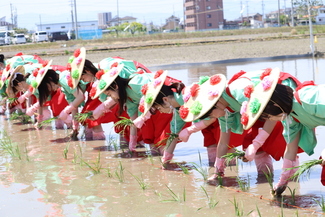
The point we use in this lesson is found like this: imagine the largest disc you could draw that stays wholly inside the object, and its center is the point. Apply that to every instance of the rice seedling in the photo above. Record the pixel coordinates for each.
(97, 166)
(82, 117)
(109, 173)
(26, 151)
(293, 195)
(239, 210)
(47, 121)
(235, 155)
(171, 138)
(11, 100)
(23, 118)
(243, 185)
(200, 169)
(123, 124)
(269, 178)
(175, 197)
(212, 203)
(321, 203)
(119, 173)
(65, 151)
(184, 169)
(141, 182)
(304, 168)
(258, 211)
(8, 146)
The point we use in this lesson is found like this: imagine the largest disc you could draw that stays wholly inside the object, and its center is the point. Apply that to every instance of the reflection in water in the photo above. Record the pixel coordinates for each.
(47, 183)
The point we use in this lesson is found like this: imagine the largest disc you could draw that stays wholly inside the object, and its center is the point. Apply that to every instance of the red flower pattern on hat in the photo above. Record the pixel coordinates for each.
(69, 81)
(93, 91)
(140, 71)
(244, 119)
(8, 67)
(76, 52)
(114, 65)
(183, 112)
(19, 54)
(266, 72)
(215, 80)
(99, 74)
(35, 72)
(69, 66)
(158, 73)
(194, 90)
(248, 90)
(144, 89)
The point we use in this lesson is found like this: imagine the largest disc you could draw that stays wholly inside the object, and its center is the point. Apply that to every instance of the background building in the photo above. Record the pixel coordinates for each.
(103, 19)
(203, 14)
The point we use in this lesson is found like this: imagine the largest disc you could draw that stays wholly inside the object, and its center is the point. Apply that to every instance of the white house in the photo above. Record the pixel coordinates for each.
(68, 26)
(119, 20)
(320, 18)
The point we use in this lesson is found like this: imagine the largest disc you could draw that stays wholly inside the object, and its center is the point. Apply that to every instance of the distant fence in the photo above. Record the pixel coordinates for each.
(90, 34)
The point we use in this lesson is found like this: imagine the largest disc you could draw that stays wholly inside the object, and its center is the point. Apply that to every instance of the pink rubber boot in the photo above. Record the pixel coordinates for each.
(263, 163)
(133, 142)
(59, 124)
(167, 157)
(88, 134)
(280, 187)
(212, 154)
(99, 135)
(220, 166)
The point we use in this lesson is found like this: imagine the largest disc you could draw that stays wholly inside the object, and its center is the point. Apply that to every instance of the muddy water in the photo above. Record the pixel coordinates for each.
(45, 182)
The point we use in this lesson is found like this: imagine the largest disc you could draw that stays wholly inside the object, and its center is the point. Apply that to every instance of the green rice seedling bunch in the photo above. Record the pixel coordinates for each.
(200, 169)
(212, 203)
(305, 168)
(123, 124)
(47, 121)
(141, 182)
(119, 173)
(82, 117)
(235, 155)
(321, 203)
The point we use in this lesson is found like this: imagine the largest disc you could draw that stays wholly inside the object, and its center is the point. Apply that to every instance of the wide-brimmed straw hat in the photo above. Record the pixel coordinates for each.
(106, 79)
(200, 98)
(151, 90)
(39, 74)
(260, 95)
(77, 62)
(12, 77)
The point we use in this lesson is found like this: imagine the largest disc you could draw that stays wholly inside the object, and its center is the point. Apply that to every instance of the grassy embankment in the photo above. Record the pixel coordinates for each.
(126, 40)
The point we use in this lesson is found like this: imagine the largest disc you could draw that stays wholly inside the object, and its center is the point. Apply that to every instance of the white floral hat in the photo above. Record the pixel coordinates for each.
(39, 74)
(259, 95)
(107, 77)
(200, 97)
(151, 90)
(77, 63)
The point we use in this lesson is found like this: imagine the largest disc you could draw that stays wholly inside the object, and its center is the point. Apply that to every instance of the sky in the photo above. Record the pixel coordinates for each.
(34, 12)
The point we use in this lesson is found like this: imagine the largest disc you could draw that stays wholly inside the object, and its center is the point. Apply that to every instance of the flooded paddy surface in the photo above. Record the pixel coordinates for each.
(51, 176)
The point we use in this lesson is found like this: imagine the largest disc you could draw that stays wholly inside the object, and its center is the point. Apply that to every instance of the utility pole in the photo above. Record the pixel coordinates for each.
(72, 19)
(12, 17)
(118, 18)
(292, 22)
(40, 22)
(278, 13)
(263, 11)
(76, 23)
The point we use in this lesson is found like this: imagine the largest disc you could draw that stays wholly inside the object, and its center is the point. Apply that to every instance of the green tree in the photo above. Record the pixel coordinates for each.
(115, 29)
(301, 7)
(21, 30)
(133, 27)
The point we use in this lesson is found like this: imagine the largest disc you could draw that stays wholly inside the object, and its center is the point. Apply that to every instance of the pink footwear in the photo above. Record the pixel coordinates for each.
(99, 135)
(212, 154)
(59, 124)
(88, 134)
(280, 187)
(167, 157)
(133, 142)
(263, 163)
